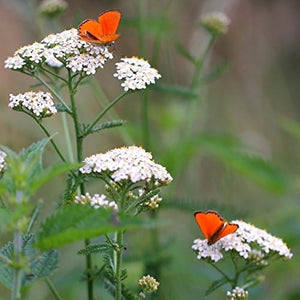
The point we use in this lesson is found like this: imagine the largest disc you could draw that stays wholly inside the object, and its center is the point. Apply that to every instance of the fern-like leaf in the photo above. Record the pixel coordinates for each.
(95, 248)
(40, 265)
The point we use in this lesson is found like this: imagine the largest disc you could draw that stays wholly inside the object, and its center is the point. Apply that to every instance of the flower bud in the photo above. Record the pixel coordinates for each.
(148, 284)
(52, 8)
(216, 23)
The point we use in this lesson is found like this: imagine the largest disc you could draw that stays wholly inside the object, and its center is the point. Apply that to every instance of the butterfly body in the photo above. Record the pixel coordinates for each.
(213, 226)
(103, 31)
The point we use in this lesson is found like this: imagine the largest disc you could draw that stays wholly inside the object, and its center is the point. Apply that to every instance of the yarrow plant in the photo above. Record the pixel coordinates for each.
(136, 73)
(60, 62)
(251, 250)
(39, 104)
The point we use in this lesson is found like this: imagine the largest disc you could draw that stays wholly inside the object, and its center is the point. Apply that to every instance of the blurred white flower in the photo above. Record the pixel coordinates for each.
(52, 8)
(136, 73)
(39, 103)
(216, 23)
(248, 241)
(127, 163)
(96, 201)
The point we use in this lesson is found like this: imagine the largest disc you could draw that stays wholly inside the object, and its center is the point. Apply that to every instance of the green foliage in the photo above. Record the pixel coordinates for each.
(181, 49)
(37, 264)
(215, 285)
(95, 248)
(9, 218)
(109, 277)
(79, 222)
(177, 91)
(25, 171)
(230, 152)
(214, 73)
(291, 126)
(106, 125)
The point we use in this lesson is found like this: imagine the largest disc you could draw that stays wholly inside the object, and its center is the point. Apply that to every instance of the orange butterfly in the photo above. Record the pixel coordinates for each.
(103, 31)
(213, 226)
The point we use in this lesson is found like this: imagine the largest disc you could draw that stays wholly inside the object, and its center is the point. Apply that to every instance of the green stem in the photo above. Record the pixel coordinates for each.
(119, 265)
(97, 119)
(68, 137)
(54, 74)
(79, 144)
(234, 282)
(199, 63)
(145, 120)
(18, 244)
(99, 94)
(59, 98)
(191, 109)
(220, 271)
(52, 288)
(5, 259)
(39, 122)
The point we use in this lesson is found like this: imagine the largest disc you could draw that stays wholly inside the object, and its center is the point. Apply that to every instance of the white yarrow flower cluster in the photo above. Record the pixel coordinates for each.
(61, 49)
(237, 294)
(136, 73)
(127, 163)
(248, 241)
(39, 103)
(2, 161)
(96, 201)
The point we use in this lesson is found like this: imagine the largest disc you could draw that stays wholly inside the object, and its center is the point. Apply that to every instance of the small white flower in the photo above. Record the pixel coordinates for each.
(136, 73)
(204, 250)
(96, 201)
(237, 294)
(14, 62)
(39, 103)
(2, 162)
(127, 163)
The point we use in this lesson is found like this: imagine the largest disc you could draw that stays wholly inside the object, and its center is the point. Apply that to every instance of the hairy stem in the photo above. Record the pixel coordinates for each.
(97, 119)
(18, 244)
(51, 140)
(59, 98)
(119, 265)
(79, 144)
(52, 289)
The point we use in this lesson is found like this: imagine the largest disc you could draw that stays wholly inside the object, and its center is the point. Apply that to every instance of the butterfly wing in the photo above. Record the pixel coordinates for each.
(109, 21)
(90, 31)
(228, 229)
(210, 223)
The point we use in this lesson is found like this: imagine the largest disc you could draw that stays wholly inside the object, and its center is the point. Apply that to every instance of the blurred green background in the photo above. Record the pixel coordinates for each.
(255, 100)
